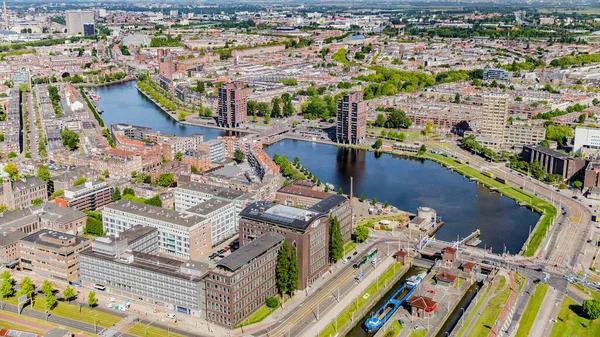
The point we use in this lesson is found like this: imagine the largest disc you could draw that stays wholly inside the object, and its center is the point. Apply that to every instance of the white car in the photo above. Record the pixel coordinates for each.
(109, 305)
(112, 299)
(344, 261)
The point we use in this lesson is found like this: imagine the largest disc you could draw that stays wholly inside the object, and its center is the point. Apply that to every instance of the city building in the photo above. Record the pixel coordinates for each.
(76, 19)
(493, 124)
(9, 248)
(495, 74)
(86, 197)
(215, 149)
(52, 255)
(89, 29)
(233, 98)
(553, 162)
(261, 162)
(46, 216)
(587, 140)
(126, 268)
(306, 230)
(337, 206)
(189, 194)
(242, 281)
(221, 217)
(183, 235)
(351, 125)
(519, 135)
(22, 193)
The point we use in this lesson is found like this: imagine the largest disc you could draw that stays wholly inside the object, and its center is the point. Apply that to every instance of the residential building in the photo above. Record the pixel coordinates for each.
(490, 74)
(306, 230)
(242, 281)
(183, 235)
(261, 161)
(76, 20)
(215, 149)
(86, 197)
(124, 269)
(299, 196)
(22, 193)
(519, 135)
(52, 255)
(351, 125)
(233, 98)
(64, 178)
(493, 124)
(199, 160)
(586, 140)
(553, 162)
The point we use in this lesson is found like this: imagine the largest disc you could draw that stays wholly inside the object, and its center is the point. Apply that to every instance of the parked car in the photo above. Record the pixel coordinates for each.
(109, 305)
(419, 327)
(344, 261)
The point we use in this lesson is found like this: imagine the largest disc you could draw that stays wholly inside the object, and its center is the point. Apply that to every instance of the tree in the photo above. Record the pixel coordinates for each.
(43, 173)
(50, 301)
(374, 201)
(12, 170)
(178, 156)
(116, 195)
(129, 190)
(267, 119)
(92, 300)
(361, 233)
(362, 197)
(380, 120)
(47, 288)
(545, 143)
(154, 201)
(26, 286)
(422, 149)
(238, 156)
(378, 144)
(70, 139)
(37, 201)
(80, 181)
(251, 107)
(386, 204)
(577, 184)
(283, 268)
(591, 308)
(340, 191)
(6, 288)
(69, 294)
(336, 242)
(262, 109)
(581, 118)
(272, 302)
(457, 98)
(166, 179)
(293, 272)
(428, 129)
(276, 111)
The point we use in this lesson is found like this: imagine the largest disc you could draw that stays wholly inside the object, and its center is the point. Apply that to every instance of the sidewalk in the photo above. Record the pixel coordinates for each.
(545, 314)
(508, 306)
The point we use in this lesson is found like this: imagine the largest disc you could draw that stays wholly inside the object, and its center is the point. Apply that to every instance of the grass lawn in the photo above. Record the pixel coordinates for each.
(358, 303)
(418, 333)
(520, 280)
(140, 330)
(474, 312)
(393, 330)
(488, 317)
(72, 311)
(537, 204)
(588, 291)
(572, 322)
(258, 316)
(340, 57)
(38, 321)
(350, 246)
(535, 302)
(9, 325)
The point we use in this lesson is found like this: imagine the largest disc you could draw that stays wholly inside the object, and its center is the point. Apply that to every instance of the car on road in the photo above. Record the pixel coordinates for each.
(431, 291)
(522, 266)
(109, 305)
(574, 197)
(171, 316)
(557, 190)
(486, 262)
(344, 261)
(536, 281)
(112, 299)
(419, 327)
(354, 253)
(349, 257)
(538, 269)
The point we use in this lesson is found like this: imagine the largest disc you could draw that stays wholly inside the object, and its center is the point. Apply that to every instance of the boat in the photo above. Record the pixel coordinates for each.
(415, 280)
(387, 310)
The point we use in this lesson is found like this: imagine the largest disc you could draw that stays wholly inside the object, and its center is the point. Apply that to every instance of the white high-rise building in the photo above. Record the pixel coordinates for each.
(493, 124)
(75, 20)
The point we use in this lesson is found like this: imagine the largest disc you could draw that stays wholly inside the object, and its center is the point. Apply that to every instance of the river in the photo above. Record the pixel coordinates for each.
(405, 183)
(122, 103)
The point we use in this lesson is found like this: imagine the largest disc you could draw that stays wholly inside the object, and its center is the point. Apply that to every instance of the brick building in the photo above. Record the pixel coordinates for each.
(233, 98)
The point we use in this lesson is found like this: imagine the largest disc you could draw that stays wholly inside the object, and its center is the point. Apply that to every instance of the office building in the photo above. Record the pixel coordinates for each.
(337, 206)
(553, 162)
(490, 74)
(46, 216)
(519, 135)
(189, 194)
(587, 140)
(242, 281)
(220, 217)
(76, 19)
(9, 248)
(86, 197)
(125, 267)
(183, 235)
(233, 98)
(351, 125)
(88, 29)
(493, 123)
(304, 229)
(52, 255)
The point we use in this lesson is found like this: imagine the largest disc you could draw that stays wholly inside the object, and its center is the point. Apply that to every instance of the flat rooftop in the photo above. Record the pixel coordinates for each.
(157, 213)
(40, 238)
(281, 215)
(250, 251)
(209, 206)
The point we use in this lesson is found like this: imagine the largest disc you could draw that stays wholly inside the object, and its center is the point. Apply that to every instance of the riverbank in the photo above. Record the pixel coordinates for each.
(95, 85)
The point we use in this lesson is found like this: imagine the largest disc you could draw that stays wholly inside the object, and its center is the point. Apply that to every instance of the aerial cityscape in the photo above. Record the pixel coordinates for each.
(319, 168)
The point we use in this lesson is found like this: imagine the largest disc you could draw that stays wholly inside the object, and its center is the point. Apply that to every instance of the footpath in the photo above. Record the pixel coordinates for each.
(508, 306)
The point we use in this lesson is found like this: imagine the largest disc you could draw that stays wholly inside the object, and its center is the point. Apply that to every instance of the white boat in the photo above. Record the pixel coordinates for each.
(415, 280)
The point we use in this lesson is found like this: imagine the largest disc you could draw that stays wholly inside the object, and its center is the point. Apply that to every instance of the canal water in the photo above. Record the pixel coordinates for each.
(409, 183)
(359, 329)
(404, 183)
(122, 103)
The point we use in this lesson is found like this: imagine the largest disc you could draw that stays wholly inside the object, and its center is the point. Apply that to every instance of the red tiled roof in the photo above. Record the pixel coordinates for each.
(445, 277)
(302, 191)
(401, 253)
(450, 249)
(422, 302)
(468, 265)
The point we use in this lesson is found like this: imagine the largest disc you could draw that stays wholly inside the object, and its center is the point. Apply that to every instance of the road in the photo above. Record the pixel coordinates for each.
(33, 131)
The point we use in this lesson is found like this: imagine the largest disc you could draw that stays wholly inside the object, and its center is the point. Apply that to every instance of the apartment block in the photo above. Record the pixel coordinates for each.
(351, 125)
(232, 111)
(519, 135)
(242, 281)
(76, 20)
(306, 230)
(493, 123)
(189, 194)
(86, 197)
(490, 74)
(52, 255)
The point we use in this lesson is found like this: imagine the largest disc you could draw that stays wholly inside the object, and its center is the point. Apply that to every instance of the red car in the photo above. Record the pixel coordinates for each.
(431, 291)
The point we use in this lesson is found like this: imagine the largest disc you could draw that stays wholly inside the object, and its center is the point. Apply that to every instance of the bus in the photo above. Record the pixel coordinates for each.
(502, 180)
(371, 254)
(99, 287)
(487, 174)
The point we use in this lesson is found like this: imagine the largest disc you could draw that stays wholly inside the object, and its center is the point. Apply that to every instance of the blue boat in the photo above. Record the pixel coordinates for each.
(378, 319)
